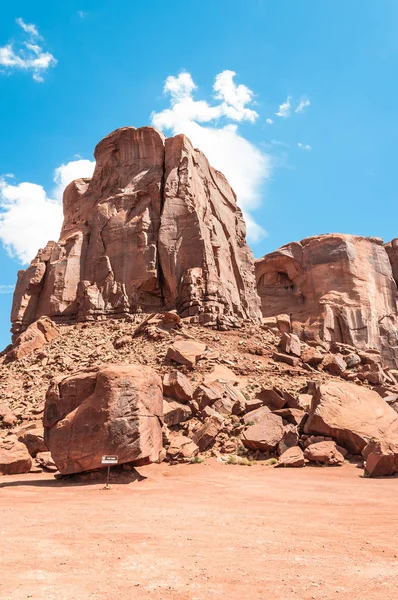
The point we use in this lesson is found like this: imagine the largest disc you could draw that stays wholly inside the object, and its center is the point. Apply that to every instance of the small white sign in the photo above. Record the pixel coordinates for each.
(109, 459)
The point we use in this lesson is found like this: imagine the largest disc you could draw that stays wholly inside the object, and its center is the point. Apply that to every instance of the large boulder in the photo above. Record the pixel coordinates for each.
(114, 409)
(155, 228)
(14, 457)
(265, 435)
(177, 386)
(350, 414)
(324, 453)
(292, 457)
(335, 288)
(181, 448)
(381, 458)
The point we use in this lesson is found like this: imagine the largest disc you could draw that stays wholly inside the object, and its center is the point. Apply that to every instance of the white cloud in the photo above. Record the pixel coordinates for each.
(7, 289)
(29, 218)
(284, 108)
(269, 121)
(28, 56)
(28, 28)
(245, 165)
(304, 146)
(302, 105)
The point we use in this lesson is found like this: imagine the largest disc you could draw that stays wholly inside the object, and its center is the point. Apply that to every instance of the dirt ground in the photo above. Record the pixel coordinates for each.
(201, 531)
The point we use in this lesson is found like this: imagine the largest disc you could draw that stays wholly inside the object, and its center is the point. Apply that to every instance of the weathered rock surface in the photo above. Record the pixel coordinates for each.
(335, 288)
(186, 352)
(175, 412)
(182, 448)
(351, 415)
(292, 457)
(34, 441)
(324, 453)
(155, 228)
(177, 386)
(36, 336)
(14, 457)
(265, 435)
(381, 458)
(116, 409)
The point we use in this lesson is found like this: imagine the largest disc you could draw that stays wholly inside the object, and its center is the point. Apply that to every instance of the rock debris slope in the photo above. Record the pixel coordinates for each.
(155, 228)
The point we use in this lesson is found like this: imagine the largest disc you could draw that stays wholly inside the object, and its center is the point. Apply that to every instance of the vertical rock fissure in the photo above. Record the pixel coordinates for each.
(159, 269)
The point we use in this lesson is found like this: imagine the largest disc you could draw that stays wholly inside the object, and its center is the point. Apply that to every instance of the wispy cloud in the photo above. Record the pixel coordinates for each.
(244, 164)
(29, 217)
(303, 104)
(284, 108)
(7, 289)
(269, 121)
(304, 146)
(28, 55)
(82, 14)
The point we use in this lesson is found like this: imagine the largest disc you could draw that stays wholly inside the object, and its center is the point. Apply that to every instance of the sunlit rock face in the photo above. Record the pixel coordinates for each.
(155, 228)
(336, 288)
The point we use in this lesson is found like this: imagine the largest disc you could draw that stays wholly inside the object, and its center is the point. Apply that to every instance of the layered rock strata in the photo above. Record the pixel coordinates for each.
(155, 228)
(335, 288)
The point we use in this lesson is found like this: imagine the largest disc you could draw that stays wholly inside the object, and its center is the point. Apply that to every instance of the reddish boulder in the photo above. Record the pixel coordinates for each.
(381, 458)
(186, 352)
(290, 344)
(351, 415)
(181, 448)
(292, 457)
(265, 435)
(7, 417)
(14, 457)
(207, 433)
(114, 409)
(177, 386)
(175, 412)
(324, 453)
(34, 441)
(272, 398)
(334, 364)
(311, 356)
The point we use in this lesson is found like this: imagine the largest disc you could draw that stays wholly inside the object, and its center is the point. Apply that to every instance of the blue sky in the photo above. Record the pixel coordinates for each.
(86, 68)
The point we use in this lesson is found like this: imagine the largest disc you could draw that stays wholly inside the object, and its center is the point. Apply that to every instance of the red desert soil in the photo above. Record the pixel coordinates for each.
(202, 531)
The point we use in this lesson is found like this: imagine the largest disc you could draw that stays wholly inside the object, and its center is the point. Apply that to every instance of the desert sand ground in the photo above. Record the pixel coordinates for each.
(201, 531)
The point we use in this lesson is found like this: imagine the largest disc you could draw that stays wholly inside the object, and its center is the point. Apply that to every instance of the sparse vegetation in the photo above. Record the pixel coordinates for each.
(234, 459)
(196, 460)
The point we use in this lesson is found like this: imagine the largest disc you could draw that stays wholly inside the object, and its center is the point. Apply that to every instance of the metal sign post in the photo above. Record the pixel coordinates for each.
(109, 460)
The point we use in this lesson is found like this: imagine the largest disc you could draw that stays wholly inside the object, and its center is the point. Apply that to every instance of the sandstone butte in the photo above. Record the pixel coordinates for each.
(336, 288)
(156, 228)
(153, 248)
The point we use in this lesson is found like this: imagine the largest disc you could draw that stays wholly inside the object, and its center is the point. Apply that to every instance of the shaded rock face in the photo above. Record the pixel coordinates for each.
(117, 409)
(155, 228)
(336, 288)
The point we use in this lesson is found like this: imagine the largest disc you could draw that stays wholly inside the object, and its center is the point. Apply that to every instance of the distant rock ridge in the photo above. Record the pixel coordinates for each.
(336, 288)
(155, 228)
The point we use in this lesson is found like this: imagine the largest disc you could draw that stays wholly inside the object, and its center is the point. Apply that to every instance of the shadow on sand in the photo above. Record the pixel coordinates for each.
(80, 479)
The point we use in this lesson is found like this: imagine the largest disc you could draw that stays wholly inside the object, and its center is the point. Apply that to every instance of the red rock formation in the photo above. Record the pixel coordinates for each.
(336, 288)
(115, 409)
(392, 251)
(352, 415)
(156, 227)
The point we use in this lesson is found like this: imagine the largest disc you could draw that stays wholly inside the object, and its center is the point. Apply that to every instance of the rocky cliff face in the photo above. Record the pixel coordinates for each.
(155, 228)
(336, 288)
